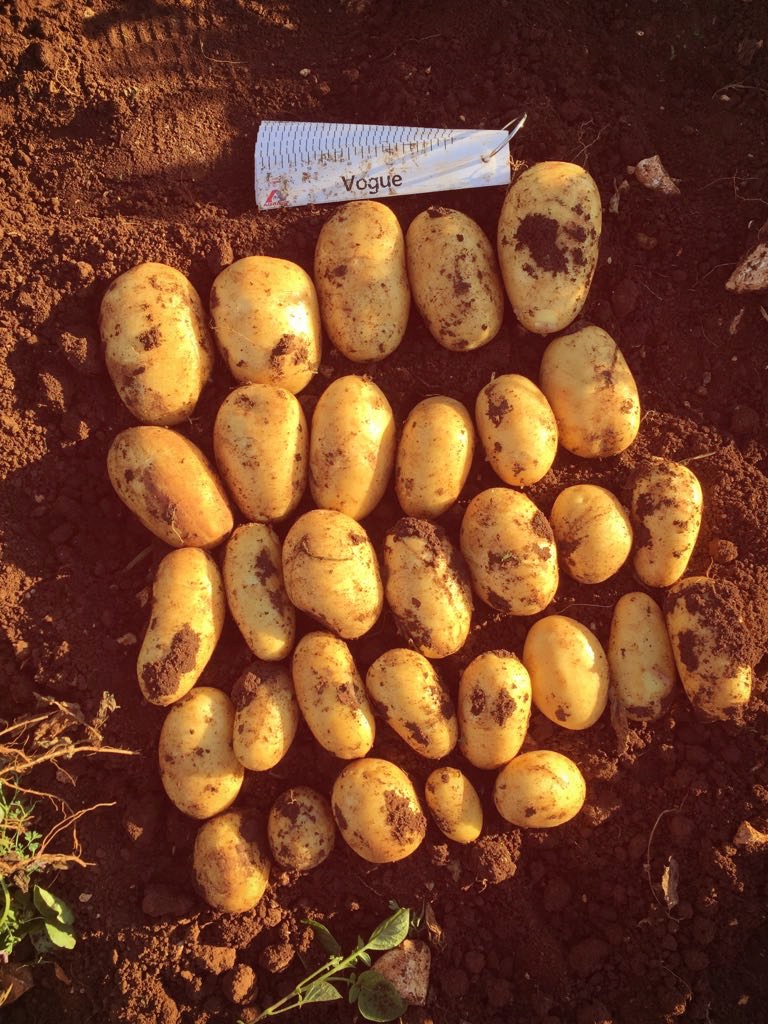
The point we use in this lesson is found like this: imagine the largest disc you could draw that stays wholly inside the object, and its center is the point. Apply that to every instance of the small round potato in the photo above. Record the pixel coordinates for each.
(494, 708)
(266, 716)
(510, 550)
(434, 457)
(332, 697)
(666, 507)
(592, 532)
(640, 659)
(300, 829)
(198, 767)
(454, 278)
(187, 618)
(377, 810)
(331, 572)
(539, 789)
(592, 393)
(454, 804)
(352, 446)
(157, 346)
(517, 428)
(362, 282)
(267, 322)
(169, 485)
(568, 670)
(548, 236)
(230, 865)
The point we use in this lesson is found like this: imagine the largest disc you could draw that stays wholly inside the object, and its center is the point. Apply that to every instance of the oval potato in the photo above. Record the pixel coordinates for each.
(517, 429)
(454, 804)
(300, 829)
(434, 456)
(494, 706)
(539, 789)
(666, 509)
(266, 716)
(231, 869)
(592, 532)
(640, 659)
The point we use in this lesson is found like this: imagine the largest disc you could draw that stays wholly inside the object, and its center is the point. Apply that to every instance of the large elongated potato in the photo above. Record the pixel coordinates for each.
(169, 485)
(494, 708)
(300, 829)
(352, 446)
(198, 767)
(539, 789)
(266, 716)
(267, 322)
(548, 236)
(666, 507)
(454, 804)
(640, 658)
(517, 429)
(157, 346)
(509, 547)
(362, 282)
(592, 532)
(187, 618)
(230, 865)
(455, 279)
(592, 393)
(434, 456)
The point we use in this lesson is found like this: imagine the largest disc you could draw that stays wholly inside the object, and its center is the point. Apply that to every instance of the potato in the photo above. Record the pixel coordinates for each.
(454, 279)
(640, 659)
(517, 429)
(300, 829)
(427, 586)
(157, 346)
(666, 508)
(592, 393)
(230, 865)
(331, 696)
(188, 610)
(362, 282)
(454, 804)
(510, 550)
(377, 810)
(494, 708)
(331, 572)
(539, 789)
(253, 583)
(592, 532)
(352, 447)
(266, 716)
(198, 767)
(548, 236)
(261, 441)
(713, 649)
(568, 670)
(169, 485)
(267, 322)
(434, 457)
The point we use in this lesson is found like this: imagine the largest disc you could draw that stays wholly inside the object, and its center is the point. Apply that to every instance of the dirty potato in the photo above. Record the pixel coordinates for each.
(230, 865)
(666, 509)
(592, 532)
(539, 789)
(494, 708)
(640, 659)
(266, 716)
(517, 429)
(300, 829)
(454, 804)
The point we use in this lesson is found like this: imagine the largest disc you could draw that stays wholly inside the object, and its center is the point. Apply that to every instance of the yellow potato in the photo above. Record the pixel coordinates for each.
(187, 618)
(711, 644)
(231, 869)
(592, 393)
(253, 583)
(666, 507)
(539, 789)
(331, 572)
(592, 532)
(266, 716)
(352, 447)
(640, 659)
(267, 322)
(517, 429)
(198, 767)
(568, 670)
(377, 810)
(362, 282)
(331, 696)
(427, 587)
(260, 440)
(157, 346)
(548, 237)
(300, 829)
(510, 550)
(454, 804)
(434, 457)
(454, 278)
(494, 708)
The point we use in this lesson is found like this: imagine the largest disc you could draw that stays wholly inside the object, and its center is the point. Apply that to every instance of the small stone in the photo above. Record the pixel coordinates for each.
(239, 985)
(646, 242)
(652, 174)
(723, 551)
(751, 273)
(305, 72)
(407, 968)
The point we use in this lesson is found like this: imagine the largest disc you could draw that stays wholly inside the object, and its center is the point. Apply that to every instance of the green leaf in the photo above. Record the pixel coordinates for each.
(365, 957)
(354, 992)
(391, 932)
(320, 992)
(51, 907)
(379, 1000)
(324, 937)
(62, 938)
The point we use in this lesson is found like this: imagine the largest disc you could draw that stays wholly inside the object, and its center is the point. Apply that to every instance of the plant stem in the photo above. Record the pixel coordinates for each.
(327, 972)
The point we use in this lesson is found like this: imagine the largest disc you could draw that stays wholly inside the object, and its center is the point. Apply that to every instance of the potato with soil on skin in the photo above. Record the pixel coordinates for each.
(361, 280)
(548, 237)
(351, 447)
(266, 716)
(517, 429)
(198, 767)
(592, 532)
(539, 789)
(230, 865)
(188, 609)
(592, 393)
(454, 278)
(267, 322)
(301, 829)
(157, 346)
(640, 658)
(494, 707)
(666, 508)
(170, 487)
(454, 804)
(377, 810)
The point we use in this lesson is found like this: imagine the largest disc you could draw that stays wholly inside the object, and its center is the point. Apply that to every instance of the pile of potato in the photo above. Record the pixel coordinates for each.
(266, 317)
